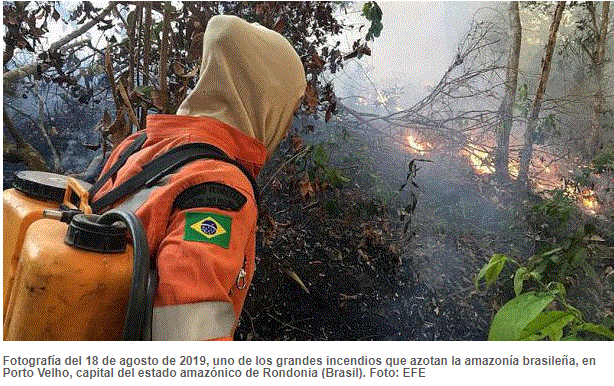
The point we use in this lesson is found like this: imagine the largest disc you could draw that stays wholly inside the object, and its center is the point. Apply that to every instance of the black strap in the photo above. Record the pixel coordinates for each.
(136, 145)
(165, 164)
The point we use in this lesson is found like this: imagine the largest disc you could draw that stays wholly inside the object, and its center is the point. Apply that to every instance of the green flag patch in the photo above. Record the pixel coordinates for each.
(208, 227)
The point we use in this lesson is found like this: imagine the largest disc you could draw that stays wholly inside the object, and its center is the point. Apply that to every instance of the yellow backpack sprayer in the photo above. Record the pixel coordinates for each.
(69, 274)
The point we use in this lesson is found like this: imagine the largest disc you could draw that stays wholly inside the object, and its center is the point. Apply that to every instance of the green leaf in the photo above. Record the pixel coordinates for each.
(516, 314)
(579, 258)
(519, 277)
(571, 338)
(336, 178)
(552, 252)
(366, 10)
(596, 329)
(372, 12)
(145, 90)
(547, 324)
(491, 270)
(589, 270)
(319, 155)
(557, 288)
(535, 275)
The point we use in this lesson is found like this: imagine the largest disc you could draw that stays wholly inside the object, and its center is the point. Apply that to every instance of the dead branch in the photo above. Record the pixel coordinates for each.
(18, 73)
(23, 151)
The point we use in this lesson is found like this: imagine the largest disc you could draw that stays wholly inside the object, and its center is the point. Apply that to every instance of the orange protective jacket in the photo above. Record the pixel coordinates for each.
(202, 282)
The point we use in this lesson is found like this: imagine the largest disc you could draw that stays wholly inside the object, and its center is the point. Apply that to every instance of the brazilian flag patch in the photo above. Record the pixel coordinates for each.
(208, 227)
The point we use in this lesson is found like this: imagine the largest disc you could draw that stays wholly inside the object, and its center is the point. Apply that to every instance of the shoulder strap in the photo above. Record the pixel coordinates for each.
(136, 145)
(166, 164)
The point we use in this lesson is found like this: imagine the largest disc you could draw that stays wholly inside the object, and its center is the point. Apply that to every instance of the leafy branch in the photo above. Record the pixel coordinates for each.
(533, 315)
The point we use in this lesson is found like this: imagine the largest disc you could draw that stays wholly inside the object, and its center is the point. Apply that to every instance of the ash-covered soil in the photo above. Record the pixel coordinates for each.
(350, 272)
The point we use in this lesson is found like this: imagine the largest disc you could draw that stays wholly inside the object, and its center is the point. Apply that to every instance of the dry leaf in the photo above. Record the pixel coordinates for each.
(317, 61)
(297, 143)
(280, 25)
(306, 188)
(196, 46)
(124, 95)
(311, 97)
(179, 71)
(119, 129)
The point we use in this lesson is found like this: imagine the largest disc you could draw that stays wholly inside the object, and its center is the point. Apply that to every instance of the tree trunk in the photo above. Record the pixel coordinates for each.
(56, 167)
(529, 136)
(164, 47)
(507, 105)
(594, 141)
(146, 43)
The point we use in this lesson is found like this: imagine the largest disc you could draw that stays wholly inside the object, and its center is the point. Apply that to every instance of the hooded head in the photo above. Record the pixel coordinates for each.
(251, 78)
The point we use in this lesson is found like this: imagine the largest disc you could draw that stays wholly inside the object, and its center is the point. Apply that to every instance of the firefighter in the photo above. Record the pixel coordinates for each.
(201, 220)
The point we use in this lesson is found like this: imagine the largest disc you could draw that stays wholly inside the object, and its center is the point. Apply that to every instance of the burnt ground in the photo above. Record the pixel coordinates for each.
(363, 277)
(360, 275)
(358, 285)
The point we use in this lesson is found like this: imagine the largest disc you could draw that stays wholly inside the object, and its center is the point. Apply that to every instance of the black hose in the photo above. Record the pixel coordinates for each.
(137, 325)
(152, 285)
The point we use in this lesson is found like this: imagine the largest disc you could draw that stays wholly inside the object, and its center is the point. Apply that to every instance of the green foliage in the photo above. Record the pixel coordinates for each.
(372, 12)
(604, 162)
(546, 128)
(583, 179)
(315, 162)
(519, 277)
(596, 329)
(559, 206)
(522, 100)
(491, 271)
(335, 177)
(532, 315)
(540, 309)
(510, 321)
(547, 324)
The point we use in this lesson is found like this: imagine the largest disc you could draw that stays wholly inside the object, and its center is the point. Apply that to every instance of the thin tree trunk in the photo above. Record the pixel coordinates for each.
(9, 124)
(41, 127)
(164, 46)
(146, 43)
(139, 43)
(507, 105)
(131, 32)
(529, 136)
(594, 141)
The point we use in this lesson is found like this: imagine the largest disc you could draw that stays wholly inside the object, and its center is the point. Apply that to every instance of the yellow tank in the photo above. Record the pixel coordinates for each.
(65, 293)
(34, 192)
(73, 281)
(19, 211)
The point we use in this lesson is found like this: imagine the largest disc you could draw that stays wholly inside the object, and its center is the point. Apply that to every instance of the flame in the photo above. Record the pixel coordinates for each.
(548, 173)
(588, 199)
(478, 159)
(417, 145)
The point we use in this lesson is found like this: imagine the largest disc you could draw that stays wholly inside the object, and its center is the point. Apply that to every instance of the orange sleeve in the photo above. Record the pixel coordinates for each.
(198, 263)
